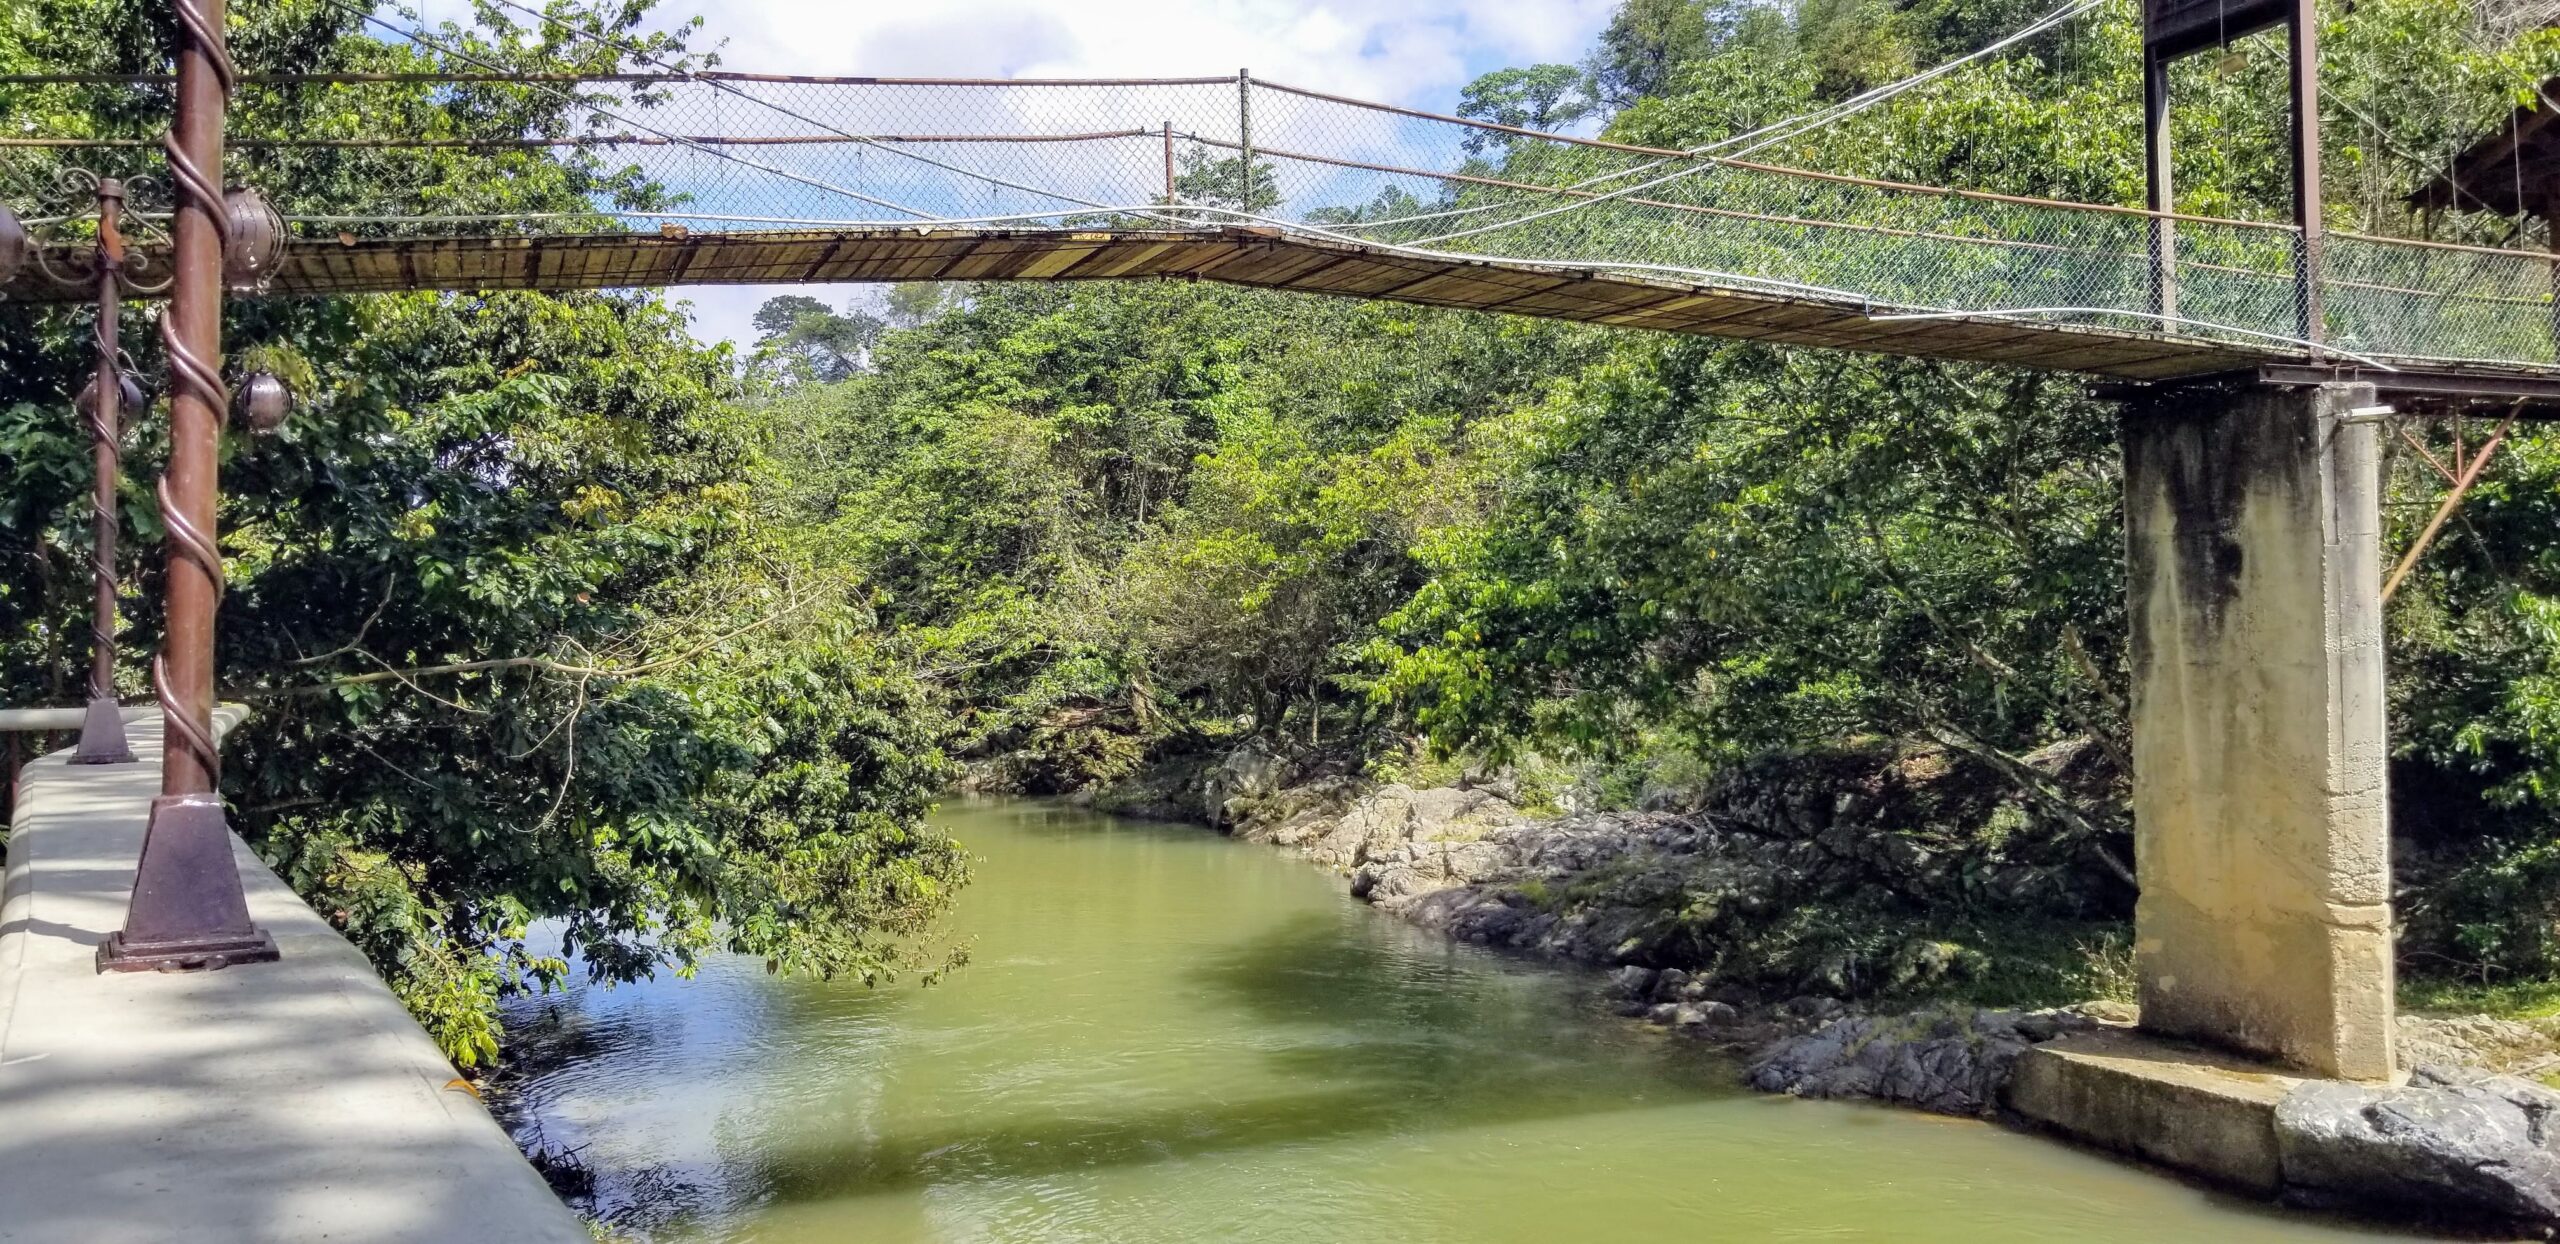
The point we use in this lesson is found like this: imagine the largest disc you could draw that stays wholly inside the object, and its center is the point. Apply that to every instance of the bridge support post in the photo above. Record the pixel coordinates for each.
(102, 740)
(2262, 833)
(189, 911)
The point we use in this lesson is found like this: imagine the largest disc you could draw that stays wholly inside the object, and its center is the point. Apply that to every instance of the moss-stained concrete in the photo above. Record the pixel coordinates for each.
(2262, 832)
(2185, 1108)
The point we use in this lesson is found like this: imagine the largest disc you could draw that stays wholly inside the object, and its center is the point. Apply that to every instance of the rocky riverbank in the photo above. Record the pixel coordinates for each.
(1793, 911)
(1791, 896)
(1851, 875)
(1947, 1060)
(2459, 1144)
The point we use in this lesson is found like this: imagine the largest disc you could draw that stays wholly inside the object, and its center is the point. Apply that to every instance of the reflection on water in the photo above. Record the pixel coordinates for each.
(1164, 1036)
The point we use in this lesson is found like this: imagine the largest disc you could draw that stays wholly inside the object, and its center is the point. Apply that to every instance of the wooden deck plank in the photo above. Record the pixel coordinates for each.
(1292, 269)
(1258, 257)
(1124, 259)
(1352, 274)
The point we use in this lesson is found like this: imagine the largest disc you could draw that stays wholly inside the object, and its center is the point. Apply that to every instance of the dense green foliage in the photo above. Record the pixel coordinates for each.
(520, 648)
(1152, 509)
(554, 615)
(1138, 519)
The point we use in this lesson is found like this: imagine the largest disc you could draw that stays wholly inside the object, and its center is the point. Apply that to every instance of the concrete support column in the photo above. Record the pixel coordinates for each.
(2262, 835)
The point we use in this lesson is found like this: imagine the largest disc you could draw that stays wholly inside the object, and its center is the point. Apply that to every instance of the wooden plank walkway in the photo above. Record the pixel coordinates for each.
(1258, 257)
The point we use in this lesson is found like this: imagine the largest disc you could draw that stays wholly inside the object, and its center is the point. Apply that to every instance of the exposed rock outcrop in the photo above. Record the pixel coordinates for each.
(1710, 904)
(2450, 1145)
(1698, 1007)
(1726, 889)
(2509, 1046)
(1950, 1061)
(1816, 873)
(1389, 829)
(1893, 833)
(1241, 779)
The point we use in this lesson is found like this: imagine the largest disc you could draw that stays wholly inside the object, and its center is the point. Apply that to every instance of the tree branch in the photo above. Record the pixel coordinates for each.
(1893, 576)
(544, 663)
(357, 642)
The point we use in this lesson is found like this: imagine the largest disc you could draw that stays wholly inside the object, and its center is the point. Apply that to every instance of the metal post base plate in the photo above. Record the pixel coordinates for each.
(117, 954)
(102, 736)
(188, 911)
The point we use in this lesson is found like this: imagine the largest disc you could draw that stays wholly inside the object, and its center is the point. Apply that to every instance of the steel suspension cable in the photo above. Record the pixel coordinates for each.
(420, 38)
(632, 49)
(1790, 128)
(1767, 135)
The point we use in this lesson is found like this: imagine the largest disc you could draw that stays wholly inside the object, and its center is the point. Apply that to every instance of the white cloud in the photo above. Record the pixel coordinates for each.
(1418, 53)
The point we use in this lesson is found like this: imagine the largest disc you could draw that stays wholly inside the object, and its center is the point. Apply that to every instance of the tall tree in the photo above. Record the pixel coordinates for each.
(1642, 44)
(1540, 97)
(800, 339)
(516, 653)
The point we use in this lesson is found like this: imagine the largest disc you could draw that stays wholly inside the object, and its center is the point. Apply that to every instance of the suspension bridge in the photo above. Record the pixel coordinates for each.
(2252, 510)
(738, 178)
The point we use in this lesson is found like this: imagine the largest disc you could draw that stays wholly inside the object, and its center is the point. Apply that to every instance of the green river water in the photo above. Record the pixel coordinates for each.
(1168, 1036)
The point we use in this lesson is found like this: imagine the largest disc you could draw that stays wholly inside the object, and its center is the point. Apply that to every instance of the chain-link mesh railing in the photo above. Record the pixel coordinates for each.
(726, 152)
(2422, 301)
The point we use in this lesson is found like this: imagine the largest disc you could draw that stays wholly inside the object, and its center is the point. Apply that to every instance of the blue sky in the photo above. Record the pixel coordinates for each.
(1414, 52)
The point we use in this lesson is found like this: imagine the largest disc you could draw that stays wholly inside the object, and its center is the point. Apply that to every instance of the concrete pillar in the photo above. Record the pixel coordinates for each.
(2262, 836)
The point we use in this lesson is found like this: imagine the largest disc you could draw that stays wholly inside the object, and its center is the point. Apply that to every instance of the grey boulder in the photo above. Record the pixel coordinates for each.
(2450, 1144)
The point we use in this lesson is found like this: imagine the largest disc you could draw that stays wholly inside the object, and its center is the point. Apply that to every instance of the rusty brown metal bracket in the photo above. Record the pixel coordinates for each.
(2462, 482)
(2421, 450)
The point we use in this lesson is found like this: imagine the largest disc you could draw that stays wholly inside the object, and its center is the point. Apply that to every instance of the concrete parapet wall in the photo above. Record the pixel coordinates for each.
(285, 1101)
(2262, 830)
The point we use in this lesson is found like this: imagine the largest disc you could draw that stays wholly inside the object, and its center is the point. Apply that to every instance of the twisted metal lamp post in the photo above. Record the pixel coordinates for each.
(111, 269)
(188, 911)
(102, 740)
(109, 389)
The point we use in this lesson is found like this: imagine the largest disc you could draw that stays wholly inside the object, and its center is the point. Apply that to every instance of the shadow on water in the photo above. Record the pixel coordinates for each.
(1373, 1037)
(1051, 819)
(1175, 1038)
(1424, 1012)
(639, 1041)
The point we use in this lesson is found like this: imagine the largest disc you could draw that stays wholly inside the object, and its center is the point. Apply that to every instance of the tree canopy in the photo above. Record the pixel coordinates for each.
(535, 690)
(579, 646)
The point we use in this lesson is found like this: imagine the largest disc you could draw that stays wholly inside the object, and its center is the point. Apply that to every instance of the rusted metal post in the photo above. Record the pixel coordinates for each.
(2452, 501)
(2174, 29)
(1244, 139)
(188, 911)
(2303, 25)
(1168, 162)
(2160, 193)
(102, 740)
(2551, 223)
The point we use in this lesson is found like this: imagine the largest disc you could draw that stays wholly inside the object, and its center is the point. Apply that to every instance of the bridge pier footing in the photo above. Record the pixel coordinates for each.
(2262, 832)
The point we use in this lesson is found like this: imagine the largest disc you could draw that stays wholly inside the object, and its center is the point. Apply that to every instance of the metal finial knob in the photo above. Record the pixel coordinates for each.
(253, 240)
(128, 393)
(13, 244)
(262, 403)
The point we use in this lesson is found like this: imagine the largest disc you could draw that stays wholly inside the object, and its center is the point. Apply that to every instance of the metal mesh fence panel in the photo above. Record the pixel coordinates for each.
(746, 152)
(2414, 300)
